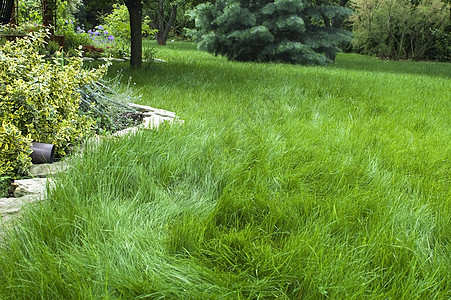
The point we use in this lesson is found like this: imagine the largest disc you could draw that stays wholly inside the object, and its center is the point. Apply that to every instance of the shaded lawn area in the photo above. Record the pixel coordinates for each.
(285, 181)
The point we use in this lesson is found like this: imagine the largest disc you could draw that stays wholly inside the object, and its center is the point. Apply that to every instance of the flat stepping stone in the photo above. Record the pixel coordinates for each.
(33, 186)
(43, 170)
(11, 207)
(150, 111)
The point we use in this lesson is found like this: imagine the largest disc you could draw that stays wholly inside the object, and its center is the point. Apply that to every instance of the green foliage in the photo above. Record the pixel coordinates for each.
(5, 182)
(88, 13)
(52, 47)
(40, 98)
(282, 30)
(22, 28)
(68, 8)
(148, 55)
(441, 50)
(182, 20)
(402, 29)
(72, 38)
(117, 23)
(29, 11)
(14, 151)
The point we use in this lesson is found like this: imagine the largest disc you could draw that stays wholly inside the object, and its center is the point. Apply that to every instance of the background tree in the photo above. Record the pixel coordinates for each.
(402, 29)
(332, 17)
(163, 19)
(90, 10)
(282, 30)
(448, 2)
(169, 15)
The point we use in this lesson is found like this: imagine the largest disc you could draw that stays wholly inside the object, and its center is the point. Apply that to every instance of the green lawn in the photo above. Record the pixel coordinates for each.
(285, 182)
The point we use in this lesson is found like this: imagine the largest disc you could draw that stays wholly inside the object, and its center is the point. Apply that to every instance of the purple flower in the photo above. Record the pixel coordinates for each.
(96, 33)
(105, 32)
(100, 27)
(111, 38)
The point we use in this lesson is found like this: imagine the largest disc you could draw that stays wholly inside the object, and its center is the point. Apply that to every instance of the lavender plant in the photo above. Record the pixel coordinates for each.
(106, 102)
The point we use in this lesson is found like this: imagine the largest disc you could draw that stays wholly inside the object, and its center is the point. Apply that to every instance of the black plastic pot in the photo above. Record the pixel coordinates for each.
(42, 153)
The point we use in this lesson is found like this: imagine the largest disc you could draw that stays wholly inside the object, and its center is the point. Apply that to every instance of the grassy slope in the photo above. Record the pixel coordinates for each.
(285, 181)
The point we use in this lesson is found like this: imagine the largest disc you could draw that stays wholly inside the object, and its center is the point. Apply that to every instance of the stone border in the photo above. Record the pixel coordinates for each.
(27, 191)
(106, 59)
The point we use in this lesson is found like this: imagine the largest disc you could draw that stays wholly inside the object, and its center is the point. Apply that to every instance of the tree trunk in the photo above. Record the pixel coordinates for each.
(14, 14)
(160, 16)
(135, 12)
(164, 27)
(170, 24)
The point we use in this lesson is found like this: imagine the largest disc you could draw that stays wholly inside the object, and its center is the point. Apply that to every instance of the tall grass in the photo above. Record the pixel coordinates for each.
(284, 182)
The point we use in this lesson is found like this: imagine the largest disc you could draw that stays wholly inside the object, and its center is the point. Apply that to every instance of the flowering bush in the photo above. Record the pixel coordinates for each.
(100, 37)
(94, 41)
(117, 23)
(73, 39)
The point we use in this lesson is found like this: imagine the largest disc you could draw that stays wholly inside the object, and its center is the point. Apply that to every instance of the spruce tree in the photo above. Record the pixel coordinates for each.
(293, 31)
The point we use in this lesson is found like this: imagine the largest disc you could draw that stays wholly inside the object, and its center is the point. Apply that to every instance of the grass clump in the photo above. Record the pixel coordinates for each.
(106, 101)
(285, 181)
